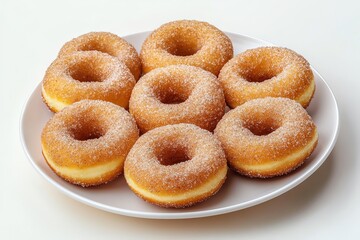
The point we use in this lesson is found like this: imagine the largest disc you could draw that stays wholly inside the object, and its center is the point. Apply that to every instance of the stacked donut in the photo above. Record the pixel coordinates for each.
(160, 117)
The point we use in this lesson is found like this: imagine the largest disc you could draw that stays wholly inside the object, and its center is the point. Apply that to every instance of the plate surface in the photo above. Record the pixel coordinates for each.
(237, 193)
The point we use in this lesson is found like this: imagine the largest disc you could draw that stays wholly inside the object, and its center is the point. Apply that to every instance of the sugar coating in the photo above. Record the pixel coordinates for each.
(100, 77)
(203, 102)
(206, 158)
(107, 43)
(265, 72)
(114, 129)
(292, 130)
(186, 42)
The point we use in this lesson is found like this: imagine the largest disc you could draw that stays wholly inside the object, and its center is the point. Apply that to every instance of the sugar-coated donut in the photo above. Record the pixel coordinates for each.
(186, 42)
(86, 75)
(107, 43)
(267, 137)
(177, 94)
(176, 166)
(86, 143)
(267, 72)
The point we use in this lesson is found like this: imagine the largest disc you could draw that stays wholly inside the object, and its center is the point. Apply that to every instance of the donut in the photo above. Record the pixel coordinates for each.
(267, 72)
(177, 94)
(86, 143)
(176, 166)
(186, 42)
(267, 137)
(86, 75)
(107, 43)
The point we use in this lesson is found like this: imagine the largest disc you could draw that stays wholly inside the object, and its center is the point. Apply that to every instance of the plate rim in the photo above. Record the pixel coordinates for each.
(193, 214)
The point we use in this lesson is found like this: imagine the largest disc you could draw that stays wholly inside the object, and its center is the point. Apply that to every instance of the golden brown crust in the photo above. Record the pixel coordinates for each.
(267, 72)
(200, 95)
(51, 108)
(279, 170)
(182, 203)
(107, 43)
(267, 137)
(186, 42)
(88, 134)
(86, 75)
(89, 182)
(146, 164)
(307, 102)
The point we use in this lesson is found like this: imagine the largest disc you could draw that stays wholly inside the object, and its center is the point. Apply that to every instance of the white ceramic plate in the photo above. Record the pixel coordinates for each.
(237, 193)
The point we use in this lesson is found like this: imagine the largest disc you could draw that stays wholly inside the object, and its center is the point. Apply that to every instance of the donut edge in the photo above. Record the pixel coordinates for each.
(102, 178)
(283, 168)
(185, 202)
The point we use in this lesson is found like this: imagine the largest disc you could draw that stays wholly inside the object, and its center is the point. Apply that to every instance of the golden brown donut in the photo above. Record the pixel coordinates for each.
(176, 166)
(86, 143)
(186, 42)
(267, 137)
(86, 75)
(177, 94)
(267, 72)
(107, 43)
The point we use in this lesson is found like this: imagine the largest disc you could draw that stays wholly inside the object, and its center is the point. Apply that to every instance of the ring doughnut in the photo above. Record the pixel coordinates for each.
(86, 75)
(86, 143)
(107, 43)
(186, 42)
(177, 94)
(176, 166)
(267, 72)
(267, 137)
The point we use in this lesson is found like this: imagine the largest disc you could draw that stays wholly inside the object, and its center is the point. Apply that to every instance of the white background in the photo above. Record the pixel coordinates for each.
(327, 33)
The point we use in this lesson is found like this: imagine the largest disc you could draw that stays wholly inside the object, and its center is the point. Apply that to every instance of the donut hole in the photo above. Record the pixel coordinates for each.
(98, 46)
(89, 70)
(260, 74)
(172, 97)
(183, 43)
(259, 69)
(171, 155)
(172, 94)
(181, 48)
(261, 126)
(86, 130)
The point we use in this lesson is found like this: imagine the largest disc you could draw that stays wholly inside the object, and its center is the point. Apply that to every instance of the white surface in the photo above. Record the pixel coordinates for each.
(325, 206)
(237, 192)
